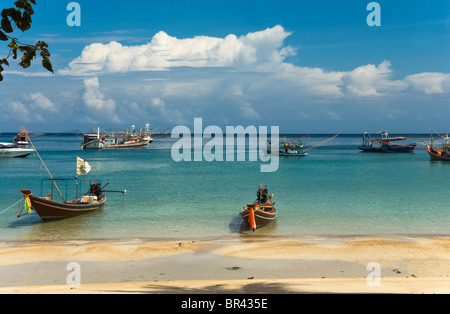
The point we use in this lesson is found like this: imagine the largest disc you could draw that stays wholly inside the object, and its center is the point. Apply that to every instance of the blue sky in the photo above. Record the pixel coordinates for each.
(311, 66)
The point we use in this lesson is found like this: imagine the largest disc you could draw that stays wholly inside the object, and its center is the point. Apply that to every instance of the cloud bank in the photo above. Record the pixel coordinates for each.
(260, 52)
(253, 51)
(234, 79)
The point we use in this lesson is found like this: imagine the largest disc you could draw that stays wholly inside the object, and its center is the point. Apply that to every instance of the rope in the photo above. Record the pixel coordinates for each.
(48, 171)
(21, 200)
(320, 143)
(396, 144)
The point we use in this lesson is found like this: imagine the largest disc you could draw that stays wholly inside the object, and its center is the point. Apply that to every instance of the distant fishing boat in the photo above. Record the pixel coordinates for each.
(386, 144)
(261, 212)
(12, 150)
(21, 138)
(92, 141)
(124, 142)
(440, 154)
(125, 139)
(292, 147)
(295, 146)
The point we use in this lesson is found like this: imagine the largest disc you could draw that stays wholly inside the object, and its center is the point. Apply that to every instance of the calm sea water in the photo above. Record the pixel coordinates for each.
(335, 190)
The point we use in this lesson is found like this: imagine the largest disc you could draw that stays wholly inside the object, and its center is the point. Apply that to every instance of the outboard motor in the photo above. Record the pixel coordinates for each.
(96, 190)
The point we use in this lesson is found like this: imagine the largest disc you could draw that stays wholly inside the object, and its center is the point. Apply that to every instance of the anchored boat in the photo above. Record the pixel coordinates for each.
(11, 150)
(92, 141)
(295, 146)
(386, 144)
(261, 212)
(49, 209)
(442, 153)
(117, 140)
(21, 138)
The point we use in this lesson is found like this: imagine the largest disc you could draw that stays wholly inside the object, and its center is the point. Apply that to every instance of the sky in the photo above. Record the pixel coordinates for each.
(307, 66)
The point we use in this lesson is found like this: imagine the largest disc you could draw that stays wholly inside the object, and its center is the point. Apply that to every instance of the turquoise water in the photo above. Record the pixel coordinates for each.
(335, 190)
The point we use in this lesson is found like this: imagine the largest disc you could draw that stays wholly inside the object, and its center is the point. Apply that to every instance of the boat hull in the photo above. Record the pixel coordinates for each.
(52, 210)
(15, 153)
(438, 154)
(283, 153)
(292, 154)
(128, 145)
(94, 144)
(263, 216)
(389, 149)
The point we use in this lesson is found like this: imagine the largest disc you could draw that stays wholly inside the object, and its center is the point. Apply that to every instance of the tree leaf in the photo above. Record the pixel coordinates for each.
(47, 64)
(6, 25)
(3, 37)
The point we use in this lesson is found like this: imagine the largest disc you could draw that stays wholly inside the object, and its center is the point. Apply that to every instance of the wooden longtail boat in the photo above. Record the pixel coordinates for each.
(49, 209)
(261, 212)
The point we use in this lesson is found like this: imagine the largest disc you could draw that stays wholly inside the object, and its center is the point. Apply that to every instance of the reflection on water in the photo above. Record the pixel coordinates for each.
(61, 229)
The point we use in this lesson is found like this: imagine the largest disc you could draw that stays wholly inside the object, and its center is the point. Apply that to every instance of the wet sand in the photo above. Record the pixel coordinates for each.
(235, 265)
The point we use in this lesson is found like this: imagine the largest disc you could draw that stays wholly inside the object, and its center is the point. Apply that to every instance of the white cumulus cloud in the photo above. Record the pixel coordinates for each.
(372, 80)
(430, 82)
(41, 102)
(96, 102)
(165, 51)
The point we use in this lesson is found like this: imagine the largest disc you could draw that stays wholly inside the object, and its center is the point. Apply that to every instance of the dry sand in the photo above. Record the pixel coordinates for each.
(236, 265)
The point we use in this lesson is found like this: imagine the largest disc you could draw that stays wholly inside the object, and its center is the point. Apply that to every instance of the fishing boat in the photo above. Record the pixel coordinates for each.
(386, 144)
(21, 138)
(442, 153)
(125, 139)
(11, 150)
(124, 142)
(261, 212)
(292, 148)
(295, 146)
(92, 141)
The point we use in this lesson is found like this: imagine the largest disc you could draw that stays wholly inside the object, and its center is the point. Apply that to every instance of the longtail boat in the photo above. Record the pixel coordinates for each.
(261, 212)
(49, 209)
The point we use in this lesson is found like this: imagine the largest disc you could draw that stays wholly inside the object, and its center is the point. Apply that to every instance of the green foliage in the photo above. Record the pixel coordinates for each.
(20, 18)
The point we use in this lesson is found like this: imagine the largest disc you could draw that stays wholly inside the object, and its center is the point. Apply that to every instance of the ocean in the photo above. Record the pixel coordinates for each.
(337, 190)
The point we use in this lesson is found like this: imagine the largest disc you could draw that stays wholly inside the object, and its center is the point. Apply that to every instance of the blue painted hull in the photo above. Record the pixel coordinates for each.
(281, 153)
(389, 148)
(292, 154)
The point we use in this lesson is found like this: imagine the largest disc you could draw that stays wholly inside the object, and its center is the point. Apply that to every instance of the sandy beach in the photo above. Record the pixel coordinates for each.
(235, 265)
